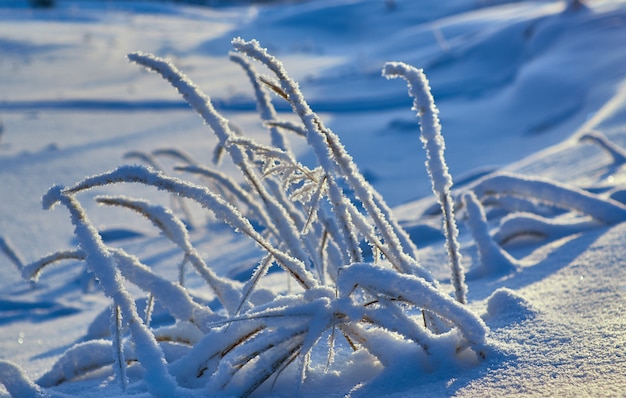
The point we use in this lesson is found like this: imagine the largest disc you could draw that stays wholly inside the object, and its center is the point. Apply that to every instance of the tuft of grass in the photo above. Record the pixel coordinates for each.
(306, 222)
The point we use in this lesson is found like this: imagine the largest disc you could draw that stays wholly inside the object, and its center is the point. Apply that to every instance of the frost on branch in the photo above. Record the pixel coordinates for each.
(360, 286)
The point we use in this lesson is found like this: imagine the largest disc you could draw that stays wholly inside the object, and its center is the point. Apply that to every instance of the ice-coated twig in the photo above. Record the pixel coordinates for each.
(424, 105)
(149, 310)
(493, 259)
(287, 125)
(606, 211)
(618, 154)
(258, 273)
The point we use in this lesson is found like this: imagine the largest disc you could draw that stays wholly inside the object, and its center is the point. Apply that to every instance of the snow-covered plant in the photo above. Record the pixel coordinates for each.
(311, 222)
(605, 211)
(533, 207)
(434, 145)
(617, 154)
(493, 259)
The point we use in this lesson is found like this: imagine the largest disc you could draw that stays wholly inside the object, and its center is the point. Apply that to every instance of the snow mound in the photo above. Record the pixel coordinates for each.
(505, 304)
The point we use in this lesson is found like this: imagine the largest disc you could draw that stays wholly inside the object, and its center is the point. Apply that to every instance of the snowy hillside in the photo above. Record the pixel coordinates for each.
(532, 103)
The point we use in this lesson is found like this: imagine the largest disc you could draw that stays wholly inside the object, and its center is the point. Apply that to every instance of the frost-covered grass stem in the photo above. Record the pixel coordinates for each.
(424, 105)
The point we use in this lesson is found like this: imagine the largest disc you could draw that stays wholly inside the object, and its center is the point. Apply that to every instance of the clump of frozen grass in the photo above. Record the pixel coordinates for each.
(534, 207)
(305, 223)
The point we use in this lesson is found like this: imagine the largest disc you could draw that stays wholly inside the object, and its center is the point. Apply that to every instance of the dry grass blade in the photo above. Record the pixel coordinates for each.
(274, 86)
(33, 270)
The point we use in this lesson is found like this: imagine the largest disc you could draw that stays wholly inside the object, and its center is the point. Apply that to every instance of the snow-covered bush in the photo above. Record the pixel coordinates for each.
(376, 301)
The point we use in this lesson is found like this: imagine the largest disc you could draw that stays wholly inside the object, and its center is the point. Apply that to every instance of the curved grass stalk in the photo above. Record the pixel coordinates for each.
(32, 271)
(206, 198)
(414, 290)
(331, 155)
(101, 263)
(264, 103)
(173, 297)
(201, 103)
(606, 211)
(434, 145)
(175, 231)
(617, 154)
(77, 361)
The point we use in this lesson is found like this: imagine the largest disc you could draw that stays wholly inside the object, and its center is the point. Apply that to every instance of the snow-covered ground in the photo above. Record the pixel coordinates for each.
(517, 84)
